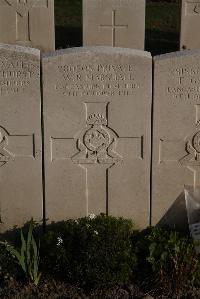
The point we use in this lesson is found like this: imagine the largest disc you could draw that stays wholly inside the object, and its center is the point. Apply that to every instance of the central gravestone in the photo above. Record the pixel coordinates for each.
(20, 136)
(97, 133)
(116, 23)
(28, 23)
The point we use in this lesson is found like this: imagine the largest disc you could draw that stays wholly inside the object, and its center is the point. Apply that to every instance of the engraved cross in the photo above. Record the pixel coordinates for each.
(12, 146)
(191, 159)
(114, 27)
(98, 149)
(23, 9)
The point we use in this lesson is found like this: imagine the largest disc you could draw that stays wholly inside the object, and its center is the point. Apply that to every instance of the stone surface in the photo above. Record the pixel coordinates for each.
(176, 151)
(28, 23)
(97, 104)
(20, 136)
(116, 23)
(190, 23)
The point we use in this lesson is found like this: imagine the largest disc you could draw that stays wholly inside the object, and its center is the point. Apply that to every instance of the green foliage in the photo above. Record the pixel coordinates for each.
(8, 270)
(68, 13)
(92, 251)
(173, 259)
(163, 17)
(101, 253)
(28, 256)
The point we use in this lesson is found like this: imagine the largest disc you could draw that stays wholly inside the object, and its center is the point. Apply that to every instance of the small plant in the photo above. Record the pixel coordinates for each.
(173, 259)
(28, 256)
(94, 251)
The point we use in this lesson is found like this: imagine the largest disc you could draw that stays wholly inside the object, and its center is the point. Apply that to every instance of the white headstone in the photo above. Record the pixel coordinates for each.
(20, 136)
(97, 124)
(176, 131)
(116, 23)
(190, 23)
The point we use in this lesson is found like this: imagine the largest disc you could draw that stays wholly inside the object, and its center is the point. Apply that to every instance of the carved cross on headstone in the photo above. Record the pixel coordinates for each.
(96, 152)
(114, 27)
(23, 9)
(12, 147)
(192, 148)
(23, 145)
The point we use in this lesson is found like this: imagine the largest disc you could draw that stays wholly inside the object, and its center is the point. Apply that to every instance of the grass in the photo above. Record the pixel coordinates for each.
(68, 13)
(68, 20)
(162, 25)
(163, 17)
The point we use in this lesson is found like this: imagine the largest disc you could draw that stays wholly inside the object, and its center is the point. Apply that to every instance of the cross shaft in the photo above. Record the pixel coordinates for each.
(114, 26)
(96, 152)
(191, 160)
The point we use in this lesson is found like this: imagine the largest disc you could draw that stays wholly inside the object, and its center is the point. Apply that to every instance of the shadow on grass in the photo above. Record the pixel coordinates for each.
(68, 37)
(159, 42)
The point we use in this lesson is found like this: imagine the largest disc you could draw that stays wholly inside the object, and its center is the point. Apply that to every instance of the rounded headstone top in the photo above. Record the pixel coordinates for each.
(20, 49)
(178, 54)
(98, 50)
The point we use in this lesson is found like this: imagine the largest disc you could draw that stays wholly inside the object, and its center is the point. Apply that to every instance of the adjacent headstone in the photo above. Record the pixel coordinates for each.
(176, 131)
(97, 127)
(28, 23)
(20, 136)
(190, 23)
(116, 23)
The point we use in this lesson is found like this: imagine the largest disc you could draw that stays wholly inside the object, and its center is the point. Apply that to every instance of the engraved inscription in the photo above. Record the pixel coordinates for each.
(23, 10)
(185, 83)
(97, 80)
(113, 27)
(16, 75)
(192, 8)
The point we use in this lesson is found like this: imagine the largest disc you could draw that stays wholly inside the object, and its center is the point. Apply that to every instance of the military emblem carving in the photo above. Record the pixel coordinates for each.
(5, 155)
(192, 147)
(97, 142)
(193, 151)
(197, 9)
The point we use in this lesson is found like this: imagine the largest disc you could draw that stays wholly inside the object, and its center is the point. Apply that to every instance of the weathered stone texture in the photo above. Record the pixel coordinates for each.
(190, 24)
(28, 23)
(116, 23)
(97, 124)
(20, 136)
(176, 131)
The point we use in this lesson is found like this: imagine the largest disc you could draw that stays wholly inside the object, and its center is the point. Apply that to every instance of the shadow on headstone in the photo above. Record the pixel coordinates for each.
(13, 235)
(176, 216)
